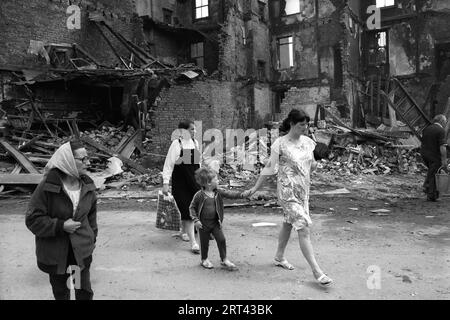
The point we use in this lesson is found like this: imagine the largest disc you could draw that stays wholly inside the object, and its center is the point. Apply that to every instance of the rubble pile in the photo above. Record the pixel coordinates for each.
(109, 136)
(372, 160)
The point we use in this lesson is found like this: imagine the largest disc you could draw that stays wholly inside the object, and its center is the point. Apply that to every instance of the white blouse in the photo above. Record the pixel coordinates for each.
(74, 195)
(174, 154)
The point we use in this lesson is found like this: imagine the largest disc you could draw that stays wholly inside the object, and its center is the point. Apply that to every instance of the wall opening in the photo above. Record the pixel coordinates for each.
(442, 61)
(285, 52)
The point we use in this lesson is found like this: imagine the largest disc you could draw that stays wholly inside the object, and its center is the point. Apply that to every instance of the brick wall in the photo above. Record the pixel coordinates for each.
(305, 98)
(45, 20)
(215, 103)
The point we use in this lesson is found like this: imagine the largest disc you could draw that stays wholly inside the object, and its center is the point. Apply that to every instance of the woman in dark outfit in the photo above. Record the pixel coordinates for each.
(183, 159)
(62, 214)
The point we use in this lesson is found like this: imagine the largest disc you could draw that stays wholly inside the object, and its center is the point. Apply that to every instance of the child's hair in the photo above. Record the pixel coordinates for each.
(204, 175)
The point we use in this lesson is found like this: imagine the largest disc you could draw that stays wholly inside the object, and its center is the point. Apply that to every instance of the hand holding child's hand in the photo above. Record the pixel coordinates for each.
(198, 225)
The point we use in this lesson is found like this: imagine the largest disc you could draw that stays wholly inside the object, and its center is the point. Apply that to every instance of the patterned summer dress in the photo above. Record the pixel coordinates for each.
(292, 161)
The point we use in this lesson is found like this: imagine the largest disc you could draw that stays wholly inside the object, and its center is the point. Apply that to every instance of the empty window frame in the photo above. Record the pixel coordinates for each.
(292, 7)
(385, 3)
(285, 52)
(261, 65)
(201, 9)
(378, 49)
(197, 54)
(262, 11)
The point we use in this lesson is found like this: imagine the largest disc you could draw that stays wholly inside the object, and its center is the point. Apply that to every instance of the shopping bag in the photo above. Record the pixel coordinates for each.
(442, 182)
(167, 214)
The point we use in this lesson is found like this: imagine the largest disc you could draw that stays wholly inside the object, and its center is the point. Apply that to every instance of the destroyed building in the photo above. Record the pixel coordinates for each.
(69, 66)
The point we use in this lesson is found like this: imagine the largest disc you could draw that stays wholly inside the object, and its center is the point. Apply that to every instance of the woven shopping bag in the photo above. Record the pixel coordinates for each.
(167, 214)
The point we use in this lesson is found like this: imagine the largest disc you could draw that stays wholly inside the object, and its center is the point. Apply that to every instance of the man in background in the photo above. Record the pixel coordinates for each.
(434, 153)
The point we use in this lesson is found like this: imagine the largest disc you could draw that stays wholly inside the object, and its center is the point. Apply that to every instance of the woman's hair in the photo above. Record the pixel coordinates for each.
(185, 124)
(75, 145)
(204, 175)
(294, 117)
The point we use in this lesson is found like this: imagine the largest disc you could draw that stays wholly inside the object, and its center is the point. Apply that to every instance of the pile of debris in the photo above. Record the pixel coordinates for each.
(372, 160)
(110, 148)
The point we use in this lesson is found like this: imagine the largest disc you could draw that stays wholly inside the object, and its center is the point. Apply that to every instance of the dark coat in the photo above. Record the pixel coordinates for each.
(49, 208)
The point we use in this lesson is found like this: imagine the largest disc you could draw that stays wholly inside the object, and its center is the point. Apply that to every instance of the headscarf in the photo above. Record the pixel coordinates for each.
(63, 160)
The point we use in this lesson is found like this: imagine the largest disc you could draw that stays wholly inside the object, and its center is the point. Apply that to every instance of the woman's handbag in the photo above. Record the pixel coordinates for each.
(167, 214)
(321, 151)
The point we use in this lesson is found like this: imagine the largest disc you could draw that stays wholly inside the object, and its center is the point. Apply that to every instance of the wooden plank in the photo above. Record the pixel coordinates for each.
(30, 142)
(17, 169)
(38, 143)
(392, 116)
(31, 178)
(122, 144)
(138, 168)
(43, 150)
(75, 128)
(102, 33)
(81, 49)
(22, 159)
(36, 110)
(131, 144)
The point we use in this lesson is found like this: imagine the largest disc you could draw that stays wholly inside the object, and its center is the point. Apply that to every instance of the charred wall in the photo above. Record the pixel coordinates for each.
(418, 38)
(45, 20)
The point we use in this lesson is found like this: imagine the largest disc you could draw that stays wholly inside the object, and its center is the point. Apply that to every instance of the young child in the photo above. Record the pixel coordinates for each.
(206, 211)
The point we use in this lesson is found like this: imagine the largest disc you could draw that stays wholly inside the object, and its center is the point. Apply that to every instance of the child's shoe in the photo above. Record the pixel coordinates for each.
(185, 237)
(206, 264)
(228, 265)
(195, 248)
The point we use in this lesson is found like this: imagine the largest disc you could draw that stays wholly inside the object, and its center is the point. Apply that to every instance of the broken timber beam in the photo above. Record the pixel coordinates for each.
(138, 168)
(79, 48)
(29, 178)
(24, 162)
(31, 142)
(131, 144)
(123, 41)
(110, 44)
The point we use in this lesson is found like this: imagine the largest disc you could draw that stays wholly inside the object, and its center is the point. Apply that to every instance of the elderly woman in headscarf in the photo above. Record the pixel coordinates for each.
(62, 214)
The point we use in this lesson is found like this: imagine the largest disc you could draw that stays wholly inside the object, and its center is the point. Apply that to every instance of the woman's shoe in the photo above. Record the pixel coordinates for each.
(324, 280)
(195, 248)
(185, 237)
(207, 264)
(284, 264)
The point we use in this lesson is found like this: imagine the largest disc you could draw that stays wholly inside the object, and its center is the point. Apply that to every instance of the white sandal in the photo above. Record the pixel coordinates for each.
(324, 280)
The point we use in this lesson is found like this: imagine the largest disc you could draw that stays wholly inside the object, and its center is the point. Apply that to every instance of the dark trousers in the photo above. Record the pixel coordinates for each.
(433, 166)
(205, 233)
(59, 282)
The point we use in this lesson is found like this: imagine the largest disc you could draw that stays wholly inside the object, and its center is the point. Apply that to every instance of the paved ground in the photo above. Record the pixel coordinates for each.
(134, 260)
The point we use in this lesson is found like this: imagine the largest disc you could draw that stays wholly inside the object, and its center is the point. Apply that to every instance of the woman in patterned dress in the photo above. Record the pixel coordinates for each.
(292, 159)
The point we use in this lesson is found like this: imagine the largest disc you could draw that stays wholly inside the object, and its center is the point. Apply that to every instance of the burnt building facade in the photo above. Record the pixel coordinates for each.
(411, 43)
(255, 59)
